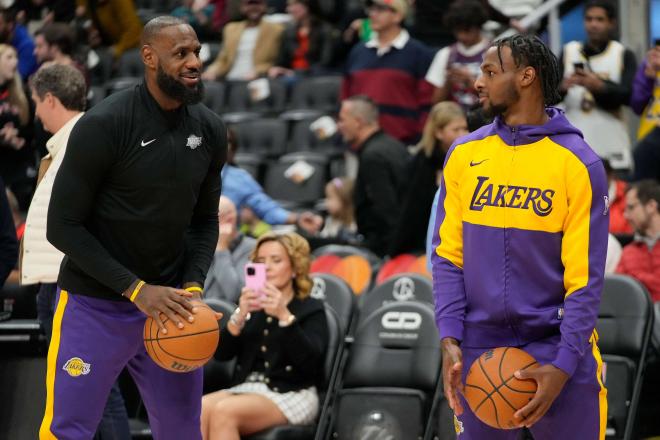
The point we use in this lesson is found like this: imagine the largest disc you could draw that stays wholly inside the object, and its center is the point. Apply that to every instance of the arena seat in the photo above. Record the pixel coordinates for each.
(130, 63)
(399, 288)
(330, 369)
(399, 264)
(356, 271)
(239, 99)
(264, 136)
(214, 96)
(391, 375)
(305, 193)
(324, 263)
(317, 93)
(625, 321)
(303, 138)
(337, 294)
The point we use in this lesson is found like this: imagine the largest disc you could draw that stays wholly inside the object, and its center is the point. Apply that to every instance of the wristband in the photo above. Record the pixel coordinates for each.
(136, 290)
(193, 289)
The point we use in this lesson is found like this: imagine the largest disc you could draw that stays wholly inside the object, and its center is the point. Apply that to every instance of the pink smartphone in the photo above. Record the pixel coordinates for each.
(255, 277)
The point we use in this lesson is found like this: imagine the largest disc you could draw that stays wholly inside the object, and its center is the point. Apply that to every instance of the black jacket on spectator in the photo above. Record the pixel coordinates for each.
(379, 190)
(321, 46)
(291, 358)
(8, 243)
(416, 207)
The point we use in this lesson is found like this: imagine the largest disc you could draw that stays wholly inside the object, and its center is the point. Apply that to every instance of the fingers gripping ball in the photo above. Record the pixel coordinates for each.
(186, 349)
(492, 391)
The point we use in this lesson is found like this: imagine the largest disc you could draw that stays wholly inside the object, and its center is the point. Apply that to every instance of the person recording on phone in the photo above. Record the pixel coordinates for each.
(226, 275)
(279, 336)
(645, 101)
(598, 75)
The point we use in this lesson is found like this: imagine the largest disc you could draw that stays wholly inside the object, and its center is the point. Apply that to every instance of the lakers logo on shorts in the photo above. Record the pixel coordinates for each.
(75, 367)
(458, 426)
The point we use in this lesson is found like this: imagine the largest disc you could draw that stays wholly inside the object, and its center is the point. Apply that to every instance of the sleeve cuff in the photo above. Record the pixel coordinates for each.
(566, 360)
(450, 328)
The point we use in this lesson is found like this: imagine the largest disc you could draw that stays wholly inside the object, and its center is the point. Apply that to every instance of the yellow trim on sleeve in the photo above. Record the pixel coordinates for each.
(51, 367)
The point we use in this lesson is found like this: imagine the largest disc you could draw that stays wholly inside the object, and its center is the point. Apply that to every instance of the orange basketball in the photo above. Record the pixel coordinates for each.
(186, 349)
(493, 392)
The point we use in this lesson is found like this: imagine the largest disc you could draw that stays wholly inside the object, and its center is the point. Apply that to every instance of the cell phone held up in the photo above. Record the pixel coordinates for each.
(578, 67)
(255, 277)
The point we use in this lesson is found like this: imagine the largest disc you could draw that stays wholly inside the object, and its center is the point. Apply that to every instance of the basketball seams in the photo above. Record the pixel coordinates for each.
(179, 357)
(496, 387)
(183, 336)
(506, 382)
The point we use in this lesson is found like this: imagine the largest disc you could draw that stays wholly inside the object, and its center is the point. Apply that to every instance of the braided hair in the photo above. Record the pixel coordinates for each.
(532, 52)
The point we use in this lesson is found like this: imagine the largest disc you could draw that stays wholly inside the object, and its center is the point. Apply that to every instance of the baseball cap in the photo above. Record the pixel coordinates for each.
(401, 6)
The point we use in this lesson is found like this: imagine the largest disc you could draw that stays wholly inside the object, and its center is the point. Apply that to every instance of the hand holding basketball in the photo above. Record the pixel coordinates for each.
(550, 381)
(165, 303)
(452, 364)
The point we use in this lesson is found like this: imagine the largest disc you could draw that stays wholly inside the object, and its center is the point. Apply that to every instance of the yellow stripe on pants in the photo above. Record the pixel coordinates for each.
(602, 395)
(51, 366)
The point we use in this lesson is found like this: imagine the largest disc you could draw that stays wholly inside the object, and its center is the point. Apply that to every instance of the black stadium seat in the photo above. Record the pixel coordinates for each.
(306, 193)
(337, 294)
(239, 98)
(624, 327)
(214, 95)
(130, 63)
(318, 93)
(403, 287)
(264, 135)
(391, 375)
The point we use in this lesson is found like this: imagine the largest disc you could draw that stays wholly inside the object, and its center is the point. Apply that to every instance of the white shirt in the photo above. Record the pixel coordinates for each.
(41, 260)
(437, 73)
(244, 62)
(398, 43)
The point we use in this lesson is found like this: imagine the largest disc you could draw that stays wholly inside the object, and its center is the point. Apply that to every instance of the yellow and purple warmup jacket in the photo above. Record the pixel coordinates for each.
(520, 238)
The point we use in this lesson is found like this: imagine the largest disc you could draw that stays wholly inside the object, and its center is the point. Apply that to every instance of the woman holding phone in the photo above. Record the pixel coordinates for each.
(279, 335)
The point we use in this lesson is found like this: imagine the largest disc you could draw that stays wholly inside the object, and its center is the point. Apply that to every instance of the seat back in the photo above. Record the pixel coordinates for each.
(218, 374)
(214, 96)
(398, 264)
(264, 135)
(625, 321)
(403, 287)
(239, 98)
(121, 83)
(337, 294)
(130, 63)
(303, 138)
(391, 375)
(307, 192)
(318, 93)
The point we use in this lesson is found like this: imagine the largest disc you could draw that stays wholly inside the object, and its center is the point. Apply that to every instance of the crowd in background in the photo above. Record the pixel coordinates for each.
(407, 69)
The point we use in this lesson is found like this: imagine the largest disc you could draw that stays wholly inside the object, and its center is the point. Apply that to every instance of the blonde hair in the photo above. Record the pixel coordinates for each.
(344, 188)
(17, 96)
(441, 114)
(297, 248)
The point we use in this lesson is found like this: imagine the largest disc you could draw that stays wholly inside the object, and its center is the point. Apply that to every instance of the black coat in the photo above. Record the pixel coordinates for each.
(379, 190)
(291, 358)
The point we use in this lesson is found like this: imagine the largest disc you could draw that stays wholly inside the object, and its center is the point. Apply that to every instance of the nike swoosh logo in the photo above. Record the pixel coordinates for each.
(474, 164)
(144, 144)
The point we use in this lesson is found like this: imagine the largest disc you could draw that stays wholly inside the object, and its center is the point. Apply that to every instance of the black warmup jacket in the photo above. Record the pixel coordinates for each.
(137, 195)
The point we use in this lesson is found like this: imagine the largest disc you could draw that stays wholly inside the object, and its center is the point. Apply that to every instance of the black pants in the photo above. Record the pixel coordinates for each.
(114, 424)
(647, 156)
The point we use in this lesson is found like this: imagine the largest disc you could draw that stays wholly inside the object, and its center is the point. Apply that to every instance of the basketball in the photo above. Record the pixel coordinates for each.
(186, 349)
(493, 393)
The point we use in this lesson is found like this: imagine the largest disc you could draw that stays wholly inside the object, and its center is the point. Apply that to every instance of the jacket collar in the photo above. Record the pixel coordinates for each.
(398, 43)
(57, 141)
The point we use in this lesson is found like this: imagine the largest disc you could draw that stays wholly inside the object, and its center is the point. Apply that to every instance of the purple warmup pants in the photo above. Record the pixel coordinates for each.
(93, 340)
(578, 413)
